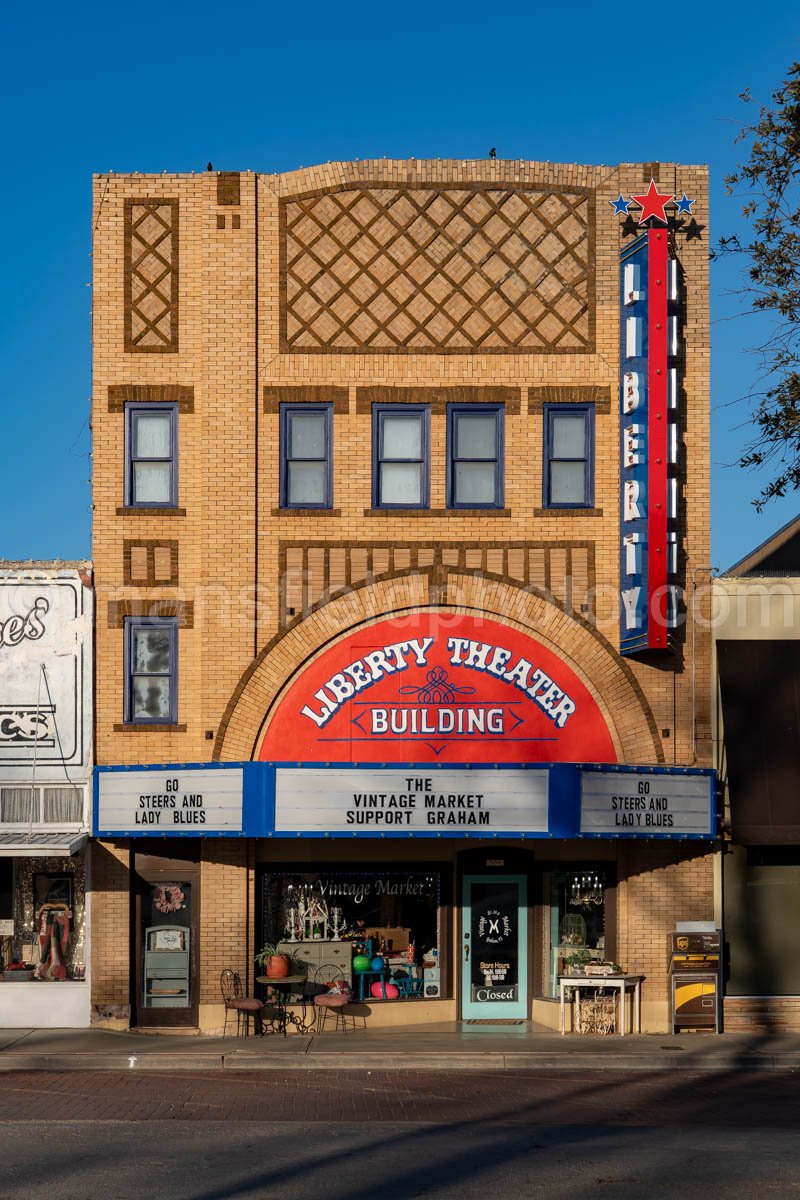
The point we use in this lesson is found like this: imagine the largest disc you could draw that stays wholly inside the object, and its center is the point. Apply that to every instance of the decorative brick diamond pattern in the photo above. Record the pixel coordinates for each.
(151, 275)
(481, 269)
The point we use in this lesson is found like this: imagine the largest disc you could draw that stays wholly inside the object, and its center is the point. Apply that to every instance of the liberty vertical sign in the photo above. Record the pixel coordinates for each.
(648, 443)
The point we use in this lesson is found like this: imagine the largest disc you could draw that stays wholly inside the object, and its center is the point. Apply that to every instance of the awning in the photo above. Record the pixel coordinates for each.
(41, 845)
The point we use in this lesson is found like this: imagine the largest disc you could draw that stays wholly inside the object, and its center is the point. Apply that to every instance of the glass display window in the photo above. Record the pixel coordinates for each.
(46, 898)
(576, 900)
(392, 906)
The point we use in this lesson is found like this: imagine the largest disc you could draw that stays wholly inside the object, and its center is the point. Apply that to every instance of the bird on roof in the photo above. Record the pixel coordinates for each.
(493, 152)
(209, 166)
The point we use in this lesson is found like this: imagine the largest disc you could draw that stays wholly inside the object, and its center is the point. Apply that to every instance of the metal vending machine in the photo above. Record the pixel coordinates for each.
(695, 971)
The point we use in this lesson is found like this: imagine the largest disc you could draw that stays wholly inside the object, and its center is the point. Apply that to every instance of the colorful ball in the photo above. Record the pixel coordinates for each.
(361, 963)
(378, 964)
(384, 991)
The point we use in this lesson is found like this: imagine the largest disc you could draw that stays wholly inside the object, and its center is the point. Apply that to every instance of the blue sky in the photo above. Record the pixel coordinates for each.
(92, 87)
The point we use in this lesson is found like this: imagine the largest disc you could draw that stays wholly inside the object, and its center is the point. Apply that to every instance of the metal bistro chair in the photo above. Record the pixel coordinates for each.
(245, 1007)
(326, 1001)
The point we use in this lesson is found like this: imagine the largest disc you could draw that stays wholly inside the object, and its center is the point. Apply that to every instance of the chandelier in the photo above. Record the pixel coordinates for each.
(586, 889)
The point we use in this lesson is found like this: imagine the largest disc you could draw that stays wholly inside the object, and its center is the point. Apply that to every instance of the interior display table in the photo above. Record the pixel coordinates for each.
(621, 983)
(282, 988)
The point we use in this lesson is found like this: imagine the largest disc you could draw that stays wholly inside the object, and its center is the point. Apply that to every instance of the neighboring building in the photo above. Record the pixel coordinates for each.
(46, 681)
(400, 470)
(757, 643)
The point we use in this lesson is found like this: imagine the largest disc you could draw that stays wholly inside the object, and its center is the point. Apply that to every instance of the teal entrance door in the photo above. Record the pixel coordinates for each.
(494, 947)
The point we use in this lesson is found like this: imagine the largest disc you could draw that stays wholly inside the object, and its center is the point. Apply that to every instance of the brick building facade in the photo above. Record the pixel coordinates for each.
(329, 405)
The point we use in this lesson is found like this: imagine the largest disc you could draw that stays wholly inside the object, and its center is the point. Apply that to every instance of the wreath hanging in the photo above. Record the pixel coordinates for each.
(168, 897)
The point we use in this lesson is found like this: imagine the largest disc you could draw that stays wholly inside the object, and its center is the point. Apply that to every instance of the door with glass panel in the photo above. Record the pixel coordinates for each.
(494, 950)
(166, 948)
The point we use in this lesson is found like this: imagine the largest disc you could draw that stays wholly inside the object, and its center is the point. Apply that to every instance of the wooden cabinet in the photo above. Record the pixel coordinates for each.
(309, 956)
(166, 967)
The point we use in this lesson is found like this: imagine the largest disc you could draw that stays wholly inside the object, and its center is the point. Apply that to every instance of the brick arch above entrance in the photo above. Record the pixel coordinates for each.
(589, 655)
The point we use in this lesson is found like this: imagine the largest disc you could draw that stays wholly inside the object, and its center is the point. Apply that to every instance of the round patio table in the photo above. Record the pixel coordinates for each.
(282, 986)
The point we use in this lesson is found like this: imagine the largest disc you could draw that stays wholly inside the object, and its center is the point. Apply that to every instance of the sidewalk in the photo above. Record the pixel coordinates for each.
(446, 1047)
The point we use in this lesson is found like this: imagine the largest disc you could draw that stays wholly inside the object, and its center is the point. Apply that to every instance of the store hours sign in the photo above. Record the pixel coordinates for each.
(166, 801)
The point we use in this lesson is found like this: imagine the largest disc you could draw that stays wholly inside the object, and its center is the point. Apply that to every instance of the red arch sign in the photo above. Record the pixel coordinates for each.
(438, 687)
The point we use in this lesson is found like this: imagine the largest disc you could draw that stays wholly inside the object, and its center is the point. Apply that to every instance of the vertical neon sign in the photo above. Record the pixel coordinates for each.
(646, 441)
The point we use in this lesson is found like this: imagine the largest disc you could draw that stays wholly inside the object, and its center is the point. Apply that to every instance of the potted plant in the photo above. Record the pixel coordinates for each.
(275, 963)
(577, 961)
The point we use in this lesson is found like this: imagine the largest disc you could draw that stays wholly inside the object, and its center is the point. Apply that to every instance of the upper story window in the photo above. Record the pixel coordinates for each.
(151, 670)
(306, 456)
(474, 456)
(151, 455)
(569, 456)
(400, 455)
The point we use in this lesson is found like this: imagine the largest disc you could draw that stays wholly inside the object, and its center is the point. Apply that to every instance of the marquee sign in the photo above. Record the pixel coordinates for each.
(646, 803)
(170, 800)
(405, 800)
(438, 687)
(648, 443)
(399, 800)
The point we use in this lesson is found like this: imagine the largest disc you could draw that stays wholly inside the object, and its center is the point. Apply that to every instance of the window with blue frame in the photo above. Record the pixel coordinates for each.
(151, 670)
(475, 456)
(400, 456)
(306, 456)
(151, 455)
(568, 456)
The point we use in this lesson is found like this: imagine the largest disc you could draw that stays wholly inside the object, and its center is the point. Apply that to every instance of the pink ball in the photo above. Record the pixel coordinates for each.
(384, 991)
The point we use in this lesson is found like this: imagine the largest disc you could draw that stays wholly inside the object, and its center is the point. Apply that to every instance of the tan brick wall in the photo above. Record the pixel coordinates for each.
(232, 541)
(110, 928)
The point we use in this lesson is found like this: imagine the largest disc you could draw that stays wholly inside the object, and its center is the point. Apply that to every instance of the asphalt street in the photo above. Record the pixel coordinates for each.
(361, 1135)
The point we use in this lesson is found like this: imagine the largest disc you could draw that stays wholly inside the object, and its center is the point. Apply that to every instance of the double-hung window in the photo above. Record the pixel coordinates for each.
(474, 456)
(151, 670)
(400, 455)
(569, 456)
(151, 456)
(306, 456)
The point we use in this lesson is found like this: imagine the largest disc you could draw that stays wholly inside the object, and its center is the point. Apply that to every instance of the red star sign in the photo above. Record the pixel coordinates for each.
(653, 204)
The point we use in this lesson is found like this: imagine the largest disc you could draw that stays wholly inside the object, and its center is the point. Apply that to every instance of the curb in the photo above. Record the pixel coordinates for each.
(236, 1061)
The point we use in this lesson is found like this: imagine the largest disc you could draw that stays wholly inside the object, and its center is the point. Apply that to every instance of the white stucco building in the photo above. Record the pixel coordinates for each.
(45, 791)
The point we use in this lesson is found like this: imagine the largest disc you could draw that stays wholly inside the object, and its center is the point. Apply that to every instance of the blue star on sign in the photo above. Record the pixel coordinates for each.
(620, 205)
(684, 205)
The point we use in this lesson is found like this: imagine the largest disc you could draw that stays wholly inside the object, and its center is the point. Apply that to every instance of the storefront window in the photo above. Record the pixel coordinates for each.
(47, 895)
(575, 929)
(380, 929)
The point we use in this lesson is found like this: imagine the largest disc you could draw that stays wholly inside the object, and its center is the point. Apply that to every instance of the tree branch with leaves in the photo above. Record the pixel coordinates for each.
(769, 183)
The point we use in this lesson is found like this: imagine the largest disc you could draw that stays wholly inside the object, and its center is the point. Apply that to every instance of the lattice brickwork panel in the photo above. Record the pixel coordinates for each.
(393, 270)
(151, 275)
(313, 572)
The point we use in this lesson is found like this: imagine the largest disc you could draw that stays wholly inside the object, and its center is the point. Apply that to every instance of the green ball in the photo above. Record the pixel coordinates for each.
(361, 963)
